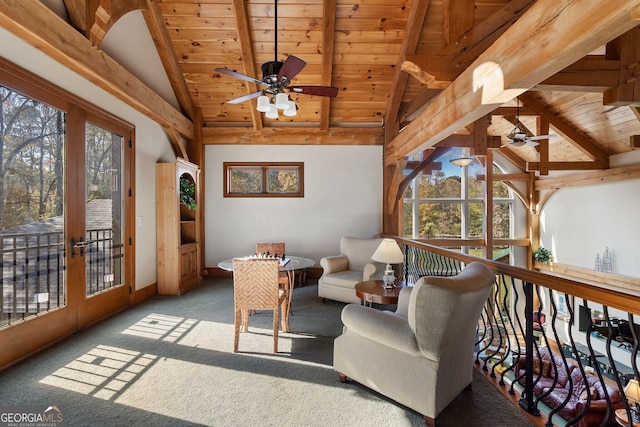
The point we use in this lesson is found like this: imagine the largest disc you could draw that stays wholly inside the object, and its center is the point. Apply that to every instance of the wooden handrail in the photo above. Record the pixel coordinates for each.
(613, 298)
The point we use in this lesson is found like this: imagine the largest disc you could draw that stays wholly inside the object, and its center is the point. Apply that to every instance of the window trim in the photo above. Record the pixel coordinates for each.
(264, 166)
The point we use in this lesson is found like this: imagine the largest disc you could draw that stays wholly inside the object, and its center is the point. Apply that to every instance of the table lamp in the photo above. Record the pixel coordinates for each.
(632, 391)
(390, 253)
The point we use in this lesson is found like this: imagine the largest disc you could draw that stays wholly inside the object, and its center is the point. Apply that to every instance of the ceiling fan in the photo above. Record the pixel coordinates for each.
(277, 75)
(519, 137)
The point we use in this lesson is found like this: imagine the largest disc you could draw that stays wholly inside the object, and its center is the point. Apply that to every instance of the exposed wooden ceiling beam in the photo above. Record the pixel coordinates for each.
(495, 78)
(456, 57)
(37, 25)
(427, 160)
(480, 137)
(590, 74)
(418, 103)
(157, 29)
(107, 14)
(94, 18)
(543, 146)
(328, 37)
(248, 63)
(81, 13)
(458, 17)
(625, 48)
(415, 23)
(568, 166)
(587, 75)
(514, 111)
(589, 178)
(577, 138)
(293, 136)
(178, 142)
(467, 140)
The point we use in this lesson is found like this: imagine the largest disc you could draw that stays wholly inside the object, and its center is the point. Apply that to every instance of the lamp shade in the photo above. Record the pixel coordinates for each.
(462, 161)
(388, 252)
(292, 110)
(632, 390)
(263, 103)
(272, 113)
(282, 101)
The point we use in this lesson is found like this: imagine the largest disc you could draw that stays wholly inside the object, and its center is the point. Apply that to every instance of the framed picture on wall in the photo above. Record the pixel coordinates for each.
(562, 305)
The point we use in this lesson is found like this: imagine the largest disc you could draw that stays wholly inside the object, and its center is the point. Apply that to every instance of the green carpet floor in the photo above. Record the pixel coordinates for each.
(169, 362)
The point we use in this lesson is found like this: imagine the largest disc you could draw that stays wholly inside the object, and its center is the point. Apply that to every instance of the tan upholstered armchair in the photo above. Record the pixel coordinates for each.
(422, 355)
(342, 272)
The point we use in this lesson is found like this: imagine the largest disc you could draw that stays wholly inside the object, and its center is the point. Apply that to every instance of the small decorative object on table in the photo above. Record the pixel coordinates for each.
(390, 253)
(283, 260)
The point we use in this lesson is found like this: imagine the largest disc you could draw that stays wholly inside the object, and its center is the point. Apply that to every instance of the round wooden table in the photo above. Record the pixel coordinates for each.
(621, 418)
(373, 292)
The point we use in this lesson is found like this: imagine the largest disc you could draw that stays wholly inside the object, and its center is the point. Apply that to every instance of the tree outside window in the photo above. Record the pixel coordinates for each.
(449, 203)
(261, 179)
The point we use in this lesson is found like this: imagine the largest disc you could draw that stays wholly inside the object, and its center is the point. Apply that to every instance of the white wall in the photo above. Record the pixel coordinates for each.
(577, 223)
(343, 196)
(152, 143)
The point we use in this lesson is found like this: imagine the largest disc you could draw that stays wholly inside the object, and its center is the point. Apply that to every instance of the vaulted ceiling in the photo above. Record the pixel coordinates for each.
(411, 74)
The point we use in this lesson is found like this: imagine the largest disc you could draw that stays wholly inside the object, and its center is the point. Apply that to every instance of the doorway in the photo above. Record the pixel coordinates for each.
(65, 215)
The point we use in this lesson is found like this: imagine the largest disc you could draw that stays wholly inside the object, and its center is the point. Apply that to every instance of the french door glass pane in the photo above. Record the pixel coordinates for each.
(32, 141)
(104, 250)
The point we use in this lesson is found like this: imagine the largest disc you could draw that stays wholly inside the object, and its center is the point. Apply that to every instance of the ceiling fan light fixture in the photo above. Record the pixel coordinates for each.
(282, 101)
(517, 133)
(272, 113)
(263, 103)
(462, 161)
(291, 110)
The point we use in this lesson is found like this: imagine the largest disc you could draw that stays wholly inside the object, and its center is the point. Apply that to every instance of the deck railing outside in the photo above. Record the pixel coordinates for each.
(33, 271)
(569, 349)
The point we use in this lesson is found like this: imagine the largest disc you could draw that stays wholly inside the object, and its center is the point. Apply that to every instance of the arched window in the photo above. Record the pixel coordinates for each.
(446, 202)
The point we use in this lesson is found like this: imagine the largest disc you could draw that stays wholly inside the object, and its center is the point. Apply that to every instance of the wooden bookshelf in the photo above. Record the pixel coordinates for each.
(178, 229)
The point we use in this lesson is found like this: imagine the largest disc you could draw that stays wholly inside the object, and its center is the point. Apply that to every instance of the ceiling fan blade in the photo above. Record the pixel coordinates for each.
(244, 98)
(329, 91)
(291, 67)
(539, 137)
(239, 76)
(517, 143)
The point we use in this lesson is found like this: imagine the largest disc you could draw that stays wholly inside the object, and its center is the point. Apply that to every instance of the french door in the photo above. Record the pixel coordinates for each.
(66, 238)
(95, 236)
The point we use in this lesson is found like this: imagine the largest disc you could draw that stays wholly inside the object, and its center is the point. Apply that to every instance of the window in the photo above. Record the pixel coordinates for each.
(448, 203)
(262, 179)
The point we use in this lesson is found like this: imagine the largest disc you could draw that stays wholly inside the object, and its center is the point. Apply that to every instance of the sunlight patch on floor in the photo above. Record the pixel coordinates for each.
(102, 372)
(160, 326)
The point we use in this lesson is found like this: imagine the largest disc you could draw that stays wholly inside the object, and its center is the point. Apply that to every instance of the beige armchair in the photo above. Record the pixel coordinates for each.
(342, 272)
(421, 355)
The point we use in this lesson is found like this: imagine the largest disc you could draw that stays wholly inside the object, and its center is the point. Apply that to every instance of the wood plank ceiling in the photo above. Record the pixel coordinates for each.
(390, 59)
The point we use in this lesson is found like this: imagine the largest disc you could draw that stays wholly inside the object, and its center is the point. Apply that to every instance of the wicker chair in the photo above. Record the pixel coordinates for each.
(256, 287)
(271, 248)
(275, 249)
